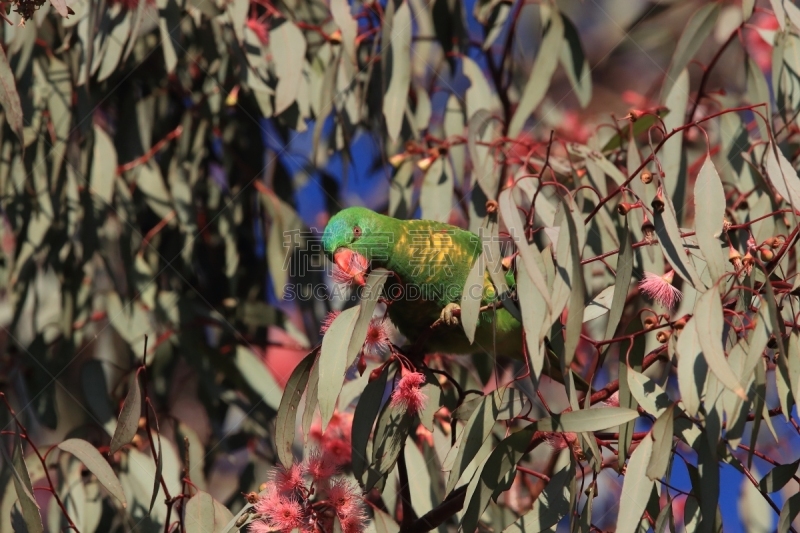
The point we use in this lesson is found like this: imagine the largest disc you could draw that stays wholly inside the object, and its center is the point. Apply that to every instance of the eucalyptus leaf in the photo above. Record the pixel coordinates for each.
(128, 422)
(286, 420)
(92, 459)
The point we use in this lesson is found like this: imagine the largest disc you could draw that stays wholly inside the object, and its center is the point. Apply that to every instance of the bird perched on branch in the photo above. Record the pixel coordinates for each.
(431, 262)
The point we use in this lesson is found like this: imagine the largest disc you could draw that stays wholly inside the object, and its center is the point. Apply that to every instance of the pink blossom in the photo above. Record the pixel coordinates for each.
(345, 499)
(353, 523)
(260, 526)
(289, 479)
(335, 443)
(286, 514)
(377, 341)
(660, 288)
(759, 49)
(349, 267)
(320, 466)
(338, 450)
(327, 321)
(260, 29)
(408, 393)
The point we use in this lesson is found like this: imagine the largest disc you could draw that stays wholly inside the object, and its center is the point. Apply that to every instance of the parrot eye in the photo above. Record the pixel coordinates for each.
(356, 232)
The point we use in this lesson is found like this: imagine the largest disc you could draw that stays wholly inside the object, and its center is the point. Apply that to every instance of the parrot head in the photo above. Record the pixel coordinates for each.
(355, 237)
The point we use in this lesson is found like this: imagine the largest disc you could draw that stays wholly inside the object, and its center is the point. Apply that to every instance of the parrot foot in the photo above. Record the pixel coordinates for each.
(450, 314)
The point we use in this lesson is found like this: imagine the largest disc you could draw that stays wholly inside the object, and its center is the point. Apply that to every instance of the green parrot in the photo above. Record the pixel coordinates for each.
(431, 262)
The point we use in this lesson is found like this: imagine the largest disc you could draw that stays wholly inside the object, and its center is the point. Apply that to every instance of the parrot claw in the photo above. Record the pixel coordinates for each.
(450, 314)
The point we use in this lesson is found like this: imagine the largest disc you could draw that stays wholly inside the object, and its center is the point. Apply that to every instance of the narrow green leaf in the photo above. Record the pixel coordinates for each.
(648, 393)
(527, 251)
(433, 391)
(104, 166)
(237, 14)
(340, 11)
(286, 419)
(258, 376)
(310, 407)
(394, 101)
(697, 30)
(373, 289)
(672, 153)
(757, 340)
(692, 368)
(222, 516)
(391, 431)
(780, 11)
(471, 298)
(600, 304)
(333, 360)
(98, 466)
(291, 42)
(128, 422)
(793, 360)
(31, 513)
(790, 510)
(493, 474)
(661, 433)
(543, 69)
(534, 320)
(552, 504)
(636, 488)
(623, 281)
(589, 420)
(478, 428)
(709, 206)
(758, 93)
(577, 284)
(575, 63)
(708, 314)
(631, 362)
(778, 477)
(479, 97)
(747, 9)
(436, 194)
(169, 26)
(367, 409)
(783, 176)
(9, 98)
(199, 513)
(669, 238)
(585, 520)
(513, 403)
(159, 455)
(384, 523)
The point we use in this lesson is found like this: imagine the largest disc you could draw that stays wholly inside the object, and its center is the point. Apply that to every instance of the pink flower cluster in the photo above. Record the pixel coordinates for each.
(308, 498)
(335, 443)
(408, 393)
(660, 288)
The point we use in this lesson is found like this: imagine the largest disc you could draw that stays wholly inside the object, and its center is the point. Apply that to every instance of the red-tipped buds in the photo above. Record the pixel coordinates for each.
(663, 336)
(623, 208)
(658, 202)
(375, 374)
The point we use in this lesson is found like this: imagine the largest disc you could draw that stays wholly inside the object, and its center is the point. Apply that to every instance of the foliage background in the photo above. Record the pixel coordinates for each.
(157, 157)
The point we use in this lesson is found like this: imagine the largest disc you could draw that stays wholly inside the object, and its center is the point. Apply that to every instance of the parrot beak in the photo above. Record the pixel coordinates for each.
(347, 262)
(343, 258)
